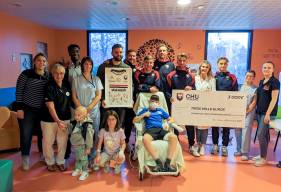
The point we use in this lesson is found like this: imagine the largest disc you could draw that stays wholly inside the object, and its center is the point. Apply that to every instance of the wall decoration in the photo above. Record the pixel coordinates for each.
(150, 48)
(25, 61)
(42, 48)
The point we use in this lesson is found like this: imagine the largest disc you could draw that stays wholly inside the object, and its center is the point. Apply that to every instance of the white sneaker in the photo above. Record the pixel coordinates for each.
(215, 150)
(117, 169)
(25, 162)
(84, 176)
(202, 150)
(256, 158)
(194, 151)
(96, 167)
(76, 172)
(244, 158)
(261, 162)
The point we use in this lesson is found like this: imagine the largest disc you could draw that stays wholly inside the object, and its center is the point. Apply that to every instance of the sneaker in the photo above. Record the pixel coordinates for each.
(237, 153)
(202, 150)
(84, 175)
(244, 158)
(194, 151)
(106, 168)
(256, 158)
(25, 162)
(51, 168)
(215, 150)
(76, 172)
(117, 169)
(224, 151)
(169, 168)
(261, 162)
(158, 168)
(278, 164)
(96, 167)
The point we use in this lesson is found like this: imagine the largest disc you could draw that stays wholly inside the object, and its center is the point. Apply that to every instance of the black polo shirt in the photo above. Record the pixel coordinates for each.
(61, 96)
(264, 92)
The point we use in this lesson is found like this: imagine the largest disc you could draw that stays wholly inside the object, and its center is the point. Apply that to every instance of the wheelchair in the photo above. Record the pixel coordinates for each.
(145, 161)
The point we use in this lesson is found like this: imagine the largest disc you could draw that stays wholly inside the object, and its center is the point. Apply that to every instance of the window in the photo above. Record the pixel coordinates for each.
(235, 45)
(101, 42)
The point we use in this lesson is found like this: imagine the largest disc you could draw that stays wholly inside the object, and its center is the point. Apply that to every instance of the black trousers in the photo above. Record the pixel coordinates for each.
(128, 123)
(30, 125)
(225, 135)
(190, 130)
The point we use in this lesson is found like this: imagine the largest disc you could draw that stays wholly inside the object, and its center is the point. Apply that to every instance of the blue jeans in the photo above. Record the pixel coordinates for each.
(96, 126)
(28, 125)
(243, 136)
(263, 134)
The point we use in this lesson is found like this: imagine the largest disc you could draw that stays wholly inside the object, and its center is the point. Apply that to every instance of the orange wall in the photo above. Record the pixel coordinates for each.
(191, 41)
(266, 47)
(20, 36)
(67, 37)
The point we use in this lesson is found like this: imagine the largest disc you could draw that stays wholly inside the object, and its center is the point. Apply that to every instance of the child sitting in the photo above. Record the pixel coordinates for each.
(82, 140)
(113, 138)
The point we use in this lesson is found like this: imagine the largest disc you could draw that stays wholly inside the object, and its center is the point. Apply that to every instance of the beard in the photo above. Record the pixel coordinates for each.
(117, 58)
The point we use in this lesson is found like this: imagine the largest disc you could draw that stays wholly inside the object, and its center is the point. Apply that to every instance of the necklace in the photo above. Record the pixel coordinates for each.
(91, 82)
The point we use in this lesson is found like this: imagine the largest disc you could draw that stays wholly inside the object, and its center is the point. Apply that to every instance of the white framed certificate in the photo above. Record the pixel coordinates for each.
(209, 108)
(118, 87)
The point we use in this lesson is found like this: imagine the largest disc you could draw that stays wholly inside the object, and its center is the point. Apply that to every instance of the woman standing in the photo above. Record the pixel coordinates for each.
(243, 136)
(56, 119)
(87, 92)
(267, 105)
(204, 81)
(29, 102)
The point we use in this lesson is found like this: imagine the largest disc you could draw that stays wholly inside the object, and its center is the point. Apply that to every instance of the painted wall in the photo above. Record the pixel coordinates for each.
(266, 47)
(20, 36)
(67, 37)
(191, 42)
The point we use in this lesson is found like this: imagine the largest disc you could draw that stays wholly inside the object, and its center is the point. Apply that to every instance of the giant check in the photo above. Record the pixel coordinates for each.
(209, 108)
(118, 87)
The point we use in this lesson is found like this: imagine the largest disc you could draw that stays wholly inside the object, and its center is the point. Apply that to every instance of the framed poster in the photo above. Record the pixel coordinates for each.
(42, 48)
(118, 87)
(25, 61)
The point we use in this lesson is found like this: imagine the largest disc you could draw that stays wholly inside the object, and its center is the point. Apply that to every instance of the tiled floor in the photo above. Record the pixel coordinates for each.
(208, 173)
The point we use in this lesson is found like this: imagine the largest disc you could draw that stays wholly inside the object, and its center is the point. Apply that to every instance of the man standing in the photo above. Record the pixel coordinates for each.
(182, 79)
(131, 60)
(114, 62)
(74, 69)
(164, 66)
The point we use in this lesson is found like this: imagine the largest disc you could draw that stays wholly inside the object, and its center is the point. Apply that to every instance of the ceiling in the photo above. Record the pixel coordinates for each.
(148, 14)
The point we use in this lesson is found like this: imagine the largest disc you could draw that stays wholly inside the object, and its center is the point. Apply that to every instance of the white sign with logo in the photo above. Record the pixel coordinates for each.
(118, 87)
(209, 108)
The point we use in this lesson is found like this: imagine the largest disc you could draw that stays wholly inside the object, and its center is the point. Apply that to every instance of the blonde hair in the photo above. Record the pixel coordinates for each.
(148, 58)
(209, 74)
(57, 67)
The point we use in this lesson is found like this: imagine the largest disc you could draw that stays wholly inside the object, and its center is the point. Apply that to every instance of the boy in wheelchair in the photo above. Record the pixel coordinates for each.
(153, 117)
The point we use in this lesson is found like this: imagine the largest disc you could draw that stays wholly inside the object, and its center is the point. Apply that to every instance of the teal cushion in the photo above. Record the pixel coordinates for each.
(6, 170)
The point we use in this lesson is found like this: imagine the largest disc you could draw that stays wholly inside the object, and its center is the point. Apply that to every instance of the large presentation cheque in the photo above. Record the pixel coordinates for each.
(209, 108)
(118, 87)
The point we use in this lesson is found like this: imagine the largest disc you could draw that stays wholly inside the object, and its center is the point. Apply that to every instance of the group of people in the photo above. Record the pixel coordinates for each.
(67, 107)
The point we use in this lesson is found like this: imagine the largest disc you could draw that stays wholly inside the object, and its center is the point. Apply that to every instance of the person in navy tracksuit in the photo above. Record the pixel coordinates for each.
(164, 66)
(147, 79)
(180, 78)
(225, 81)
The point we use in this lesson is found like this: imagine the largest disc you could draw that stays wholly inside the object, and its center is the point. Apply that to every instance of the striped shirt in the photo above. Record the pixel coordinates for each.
(30, 89)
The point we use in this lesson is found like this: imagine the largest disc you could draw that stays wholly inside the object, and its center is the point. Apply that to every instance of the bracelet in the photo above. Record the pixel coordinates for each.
(98, 151)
